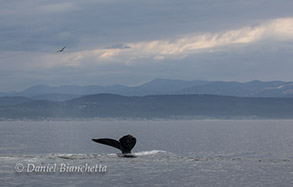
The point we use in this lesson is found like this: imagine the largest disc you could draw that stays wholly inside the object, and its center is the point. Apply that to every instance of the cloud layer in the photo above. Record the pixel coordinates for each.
(178, 48)
(131, 42)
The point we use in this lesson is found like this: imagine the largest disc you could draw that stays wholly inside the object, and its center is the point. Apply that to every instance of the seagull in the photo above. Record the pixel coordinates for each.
(61, 50)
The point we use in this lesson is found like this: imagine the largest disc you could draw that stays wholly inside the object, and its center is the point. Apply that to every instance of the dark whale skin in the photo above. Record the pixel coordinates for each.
(125, 144)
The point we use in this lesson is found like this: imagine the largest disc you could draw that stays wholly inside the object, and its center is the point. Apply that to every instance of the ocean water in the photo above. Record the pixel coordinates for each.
(167, 153)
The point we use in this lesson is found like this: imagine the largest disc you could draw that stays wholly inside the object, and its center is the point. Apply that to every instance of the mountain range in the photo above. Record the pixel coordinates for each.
(162, 87)
(194, 106)
(159, 98)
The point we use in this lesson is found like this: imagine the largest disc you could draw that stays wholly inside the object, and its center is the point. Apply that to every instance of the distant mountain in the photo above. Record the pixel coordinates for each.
(8, 100)
(163, 87)
(154, 87)
(157, 106)
(55, 97)
(168, 85)
(159, 87)
(248, 89)
(2, 94)
(70, 89)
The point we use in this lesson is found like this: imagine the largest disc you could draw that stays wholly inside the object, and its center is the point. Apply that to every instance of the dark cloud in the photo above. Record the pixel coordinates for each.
(33, 24)
(32, 30)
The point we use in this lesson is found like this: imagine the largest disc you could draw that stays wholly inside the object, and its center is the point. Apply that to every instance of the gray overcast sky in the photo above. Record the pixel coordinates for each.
(133, 41)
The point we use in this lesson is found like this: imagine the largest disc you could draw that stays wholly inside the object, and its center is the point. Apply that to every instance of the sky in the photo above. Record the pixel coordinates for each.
(131, 42)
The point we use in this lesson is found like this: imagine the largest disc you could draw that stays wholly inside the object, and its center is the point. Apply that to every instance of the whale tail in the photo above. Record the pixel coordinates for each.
(125, 144)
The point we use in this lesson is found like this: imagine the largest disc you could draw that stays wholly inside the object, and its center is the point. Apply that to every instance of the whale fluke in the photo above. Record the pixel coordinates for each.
(125, 144)
(108, 141)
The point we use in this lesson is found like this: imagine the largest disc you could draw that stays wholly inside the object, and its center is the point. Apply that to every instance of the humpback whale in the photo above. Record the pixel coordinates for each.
(125, 144)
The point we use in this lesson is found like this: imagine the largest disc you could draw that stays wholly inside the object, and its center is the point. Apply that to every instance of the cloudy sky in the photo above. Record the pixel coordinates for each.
(133, 41)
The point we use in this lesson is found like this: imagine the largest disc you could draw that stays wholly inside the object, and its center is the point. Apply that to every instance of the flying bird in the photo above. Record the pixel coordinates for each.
(61, 50)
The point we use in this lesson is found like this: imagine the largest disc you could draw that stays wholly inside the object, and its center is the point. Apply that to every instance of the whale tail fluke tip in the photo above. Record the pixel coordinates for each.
(125, 144)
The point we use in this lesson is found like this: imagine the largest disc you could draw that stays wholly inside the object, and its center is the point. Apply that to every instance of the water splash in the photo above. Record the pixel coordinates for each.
(142, 153)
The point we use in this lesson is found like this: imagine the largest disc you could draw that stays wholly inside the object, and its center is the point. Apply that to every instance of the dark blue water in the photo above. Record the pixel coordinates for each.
(168, 153)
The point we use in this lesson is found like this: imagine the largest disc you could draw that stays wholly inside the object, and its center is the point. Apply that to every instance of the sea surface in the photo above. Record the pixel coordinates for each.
(167, 153)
